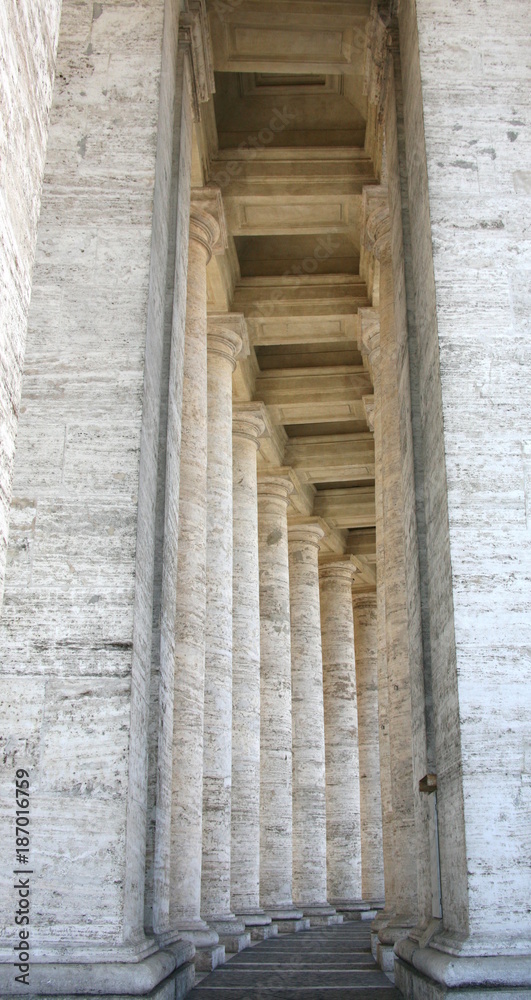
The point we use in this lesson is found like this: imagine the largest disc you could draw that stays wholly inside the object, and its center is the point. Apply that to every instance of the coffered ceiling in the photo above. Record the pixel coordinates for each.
(284, 137)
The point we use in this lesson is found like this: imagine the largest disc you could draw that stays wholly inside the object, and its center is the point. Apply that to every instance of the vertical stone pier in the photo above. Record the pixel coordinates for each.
(77, 631)
(165, 370)
(475, 421)
(366, 650)
(309, 796)
(226, 335)
(206, 237)
(276, 815)
(343, 833)
(402, 637)
(370, 338)
(248, 424)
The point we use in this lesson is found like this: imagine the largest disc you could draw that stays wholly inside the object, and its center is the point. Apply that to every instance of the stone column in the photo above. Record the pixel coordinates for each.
(276, 823)
(366, 651)
(343, 838)
(248, 425)
(188, 711)
(309, 799)
(226, 334)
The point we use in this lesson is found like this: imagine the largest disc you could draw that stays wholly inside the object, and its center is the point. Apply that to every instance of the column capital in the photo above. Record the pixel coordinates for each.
(274, 487)
(194, 38)
(227, 335)
(306, 531)
(207, 219)
(369, 407)
(248, 421)
(338, 567)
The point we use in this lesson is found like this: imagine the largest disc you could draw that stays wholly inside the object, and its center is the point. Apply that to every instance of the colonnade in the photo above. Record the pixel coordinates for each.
(269, 819)
(225, 735)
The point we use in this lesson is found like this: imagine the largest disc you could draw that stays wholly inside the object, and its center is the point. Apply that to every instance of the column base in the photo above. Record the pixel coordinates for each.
(209, 957)
(232, 933)
(264, 932)
(199, 933)
(386, 930)
(322, 915)
(166, 975)
(352, 909)
(428, 974)
(258, 924)
(288, 919)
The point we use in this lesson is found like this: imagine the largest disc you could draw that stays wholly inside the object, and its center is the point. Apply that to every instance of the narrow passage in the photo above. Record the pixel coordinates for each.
(332, 963)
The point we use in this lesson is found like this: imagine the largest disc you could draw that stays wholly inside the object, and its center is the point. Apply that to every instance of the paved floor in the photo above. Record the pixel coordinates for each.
(333, 963)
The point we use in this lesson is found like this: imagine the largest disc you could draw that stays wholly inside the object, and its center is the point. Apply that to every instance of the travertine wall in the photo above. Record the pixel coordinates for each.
(76, 628)
(476, 423)
(29, 31)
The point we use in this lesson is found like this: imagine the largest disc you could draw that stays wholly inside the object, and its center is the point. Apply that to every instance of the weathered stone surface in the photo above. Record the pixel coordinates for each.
(366, 648)
(29, 32)
(84, 471)
(248, 425)
(111, 979)
(309, 802)
(376, 267)
(474, 160)
(343, 825)
(224, 344)
(189, 689)
(275, 698)
(401, 642)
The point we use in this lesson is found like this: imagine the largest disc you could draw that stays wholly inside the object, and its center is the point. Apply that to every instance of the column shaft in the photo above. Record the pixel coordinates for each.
(276, 864)
(383, 694)
(248, 425)
(224, 344)
(309, 800)
(341, 735)
(187, 790)
(366, 649)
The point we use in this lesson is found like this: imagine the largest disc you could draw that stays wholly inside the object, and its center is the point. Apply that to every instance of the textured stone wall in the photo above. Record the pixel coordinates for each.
(472, 313)
(28, 39)
(76, 628)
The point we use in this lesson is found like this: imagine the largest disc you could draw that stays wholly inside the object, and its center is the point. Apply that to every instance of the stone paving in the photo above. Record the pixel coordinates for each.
(332, 963)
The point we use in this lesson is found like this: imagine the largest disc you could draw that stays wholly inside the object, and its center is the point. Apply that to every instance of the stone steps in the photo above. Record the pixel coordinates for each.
(325, 963)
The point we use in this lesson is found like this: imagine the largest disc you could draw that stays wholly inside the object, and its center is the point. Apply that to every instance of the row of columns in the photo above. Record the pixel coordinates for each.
(265, 813)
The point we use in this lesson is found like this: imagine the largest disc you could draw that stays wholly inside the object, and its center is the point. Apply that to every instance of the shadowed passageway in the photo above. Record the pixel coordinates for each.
(332, 963)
